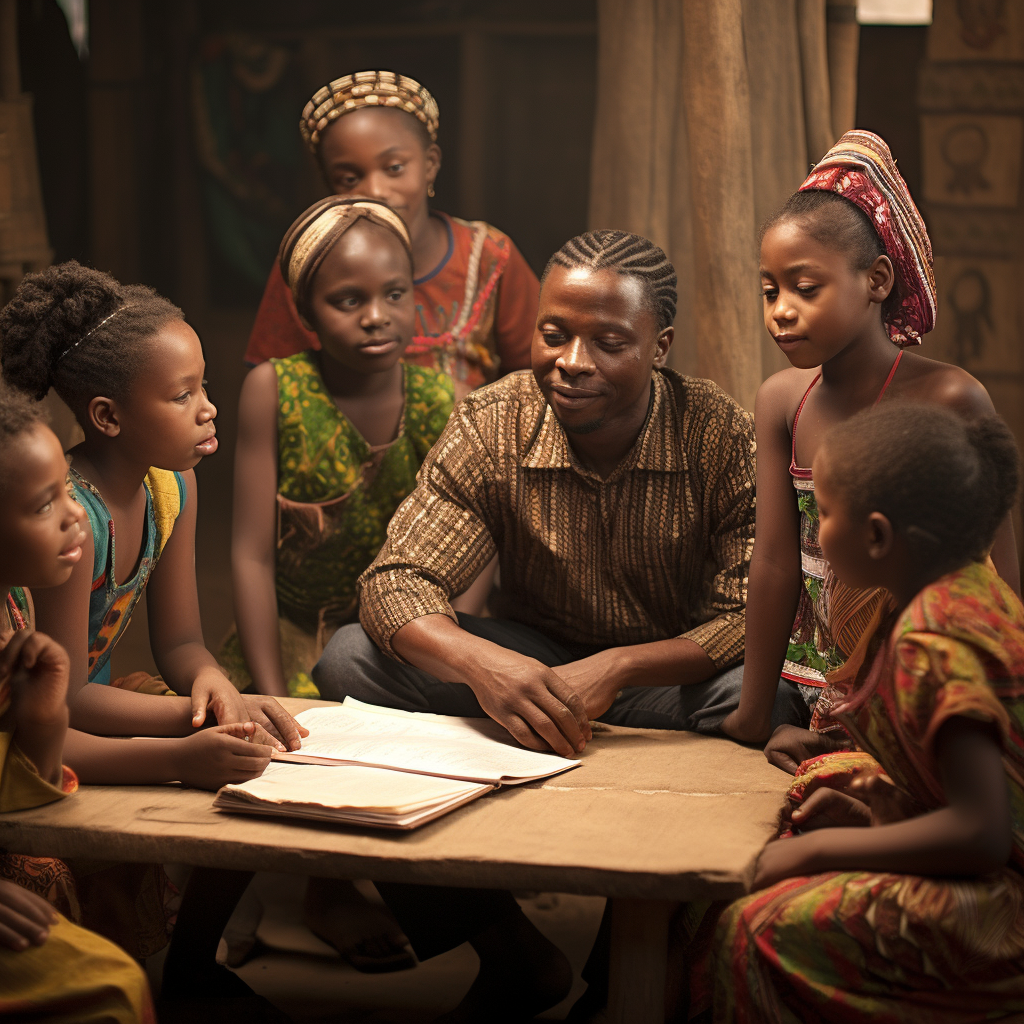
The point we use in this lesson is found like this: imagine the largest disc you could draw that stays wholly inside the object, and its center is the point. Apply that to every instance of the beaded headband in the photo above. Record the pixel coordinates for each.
(367, 89)
(92, 331)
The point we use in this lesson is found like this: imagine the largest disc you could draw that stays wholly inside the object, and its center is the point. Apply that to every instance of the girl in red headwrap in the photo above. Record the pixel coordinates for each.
(846, 274)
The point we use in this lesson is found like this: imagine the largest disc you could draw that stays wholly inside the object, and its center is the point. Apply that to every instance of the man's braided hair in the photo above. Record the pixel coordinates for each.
(628, 254)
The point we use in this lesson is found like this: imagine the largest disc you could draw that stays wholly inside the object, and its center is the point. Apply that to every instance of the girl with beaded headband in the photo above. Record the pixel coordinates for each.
(374, 133)
(846, 274)
(131, 370)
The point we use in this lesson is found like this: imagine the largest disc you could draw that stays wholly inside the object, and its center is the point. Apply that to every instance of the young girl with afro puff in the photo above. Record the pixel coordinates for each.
(131, 370)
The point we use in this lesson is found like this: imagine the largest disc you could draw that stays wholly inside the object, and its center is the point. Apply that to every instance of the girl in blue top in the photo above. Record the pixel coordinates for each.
(131, 370)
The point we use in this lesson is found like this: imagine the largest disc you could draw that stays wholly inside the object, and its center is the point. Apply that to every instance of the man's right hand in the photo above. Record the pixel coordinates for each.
(533, 703)
(790, 746)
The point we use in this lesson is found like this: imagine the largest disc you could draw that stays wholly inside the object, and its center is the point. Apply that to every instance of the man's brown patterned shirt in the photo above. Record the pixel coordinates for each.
(659, 549)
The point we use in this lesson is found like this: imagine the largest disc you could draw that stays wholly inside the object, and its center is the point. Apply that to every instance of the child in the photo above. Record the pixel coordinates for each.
(330, 442)
(49, 967)
(847, 280)
(131, 370)
(919, 917)
(374, 134)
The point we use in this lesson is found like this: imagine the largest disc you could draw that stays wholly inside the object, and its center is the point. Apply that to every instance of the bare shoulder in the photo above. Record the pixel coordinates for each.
(930, 380)
(778, 397)
(259, 393)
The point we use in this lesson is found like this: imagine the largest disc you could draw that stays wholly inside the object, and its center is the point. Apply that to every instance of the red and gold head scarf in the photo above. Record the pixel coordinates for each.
(860, 168)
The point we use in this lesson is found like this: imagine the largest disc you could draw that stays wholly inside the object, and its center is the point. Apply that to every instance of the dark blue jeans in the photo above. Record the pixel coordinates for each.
(353, 666)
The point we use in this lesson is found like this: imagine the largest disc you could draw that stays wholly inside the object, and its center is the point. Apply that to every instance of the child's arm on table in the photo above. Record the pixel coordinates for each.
(176, 639)
(36, 669)
(774, 582)
(207, 760)
(253, 530)
(969, 837)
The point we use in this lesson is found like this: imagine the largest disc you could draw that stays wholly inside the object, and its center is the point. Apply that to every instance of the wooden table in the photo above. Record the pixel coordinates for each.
(652, 817)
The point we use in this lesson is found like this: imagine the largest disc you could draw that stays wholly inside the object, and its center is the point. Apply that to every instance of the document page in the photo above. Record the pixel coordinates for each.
(454, 748)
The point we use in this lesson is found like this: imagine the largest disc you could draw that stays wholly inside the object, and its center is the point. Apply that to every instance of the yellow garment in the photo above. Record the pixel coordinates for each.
(75, 977)
(167, 503)
(20, 784)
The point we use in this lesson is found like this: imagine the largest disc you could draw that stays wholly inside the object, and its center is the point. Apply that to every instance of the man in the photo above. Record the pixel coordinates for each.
(618, 496)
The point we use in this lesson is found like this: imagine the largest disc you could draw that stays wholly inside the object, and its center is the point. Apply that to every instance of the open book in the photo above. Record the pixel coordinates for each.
(366, 765)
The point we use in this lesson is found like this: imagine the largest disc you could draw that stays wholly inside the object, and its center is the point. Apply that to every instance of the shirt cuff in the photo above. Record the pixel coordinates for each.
(390, 599)
(722, 639)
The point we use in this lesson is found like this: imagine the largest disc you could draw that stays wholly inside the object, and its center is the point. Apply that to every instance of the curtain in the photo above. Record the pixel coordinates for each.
(709, 114)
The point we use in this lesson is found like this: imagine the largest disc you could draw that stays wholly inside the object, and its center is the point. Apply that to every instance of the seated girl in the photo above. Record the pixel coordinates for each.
(846, 272)
(374, 134)
(901, 897)
(131, 370)
(49, 967)
(329, 443)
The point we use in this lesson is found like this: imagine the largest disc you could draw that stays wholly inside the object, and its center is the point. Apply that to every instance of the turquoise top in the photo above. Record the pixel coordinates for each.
(110, 605)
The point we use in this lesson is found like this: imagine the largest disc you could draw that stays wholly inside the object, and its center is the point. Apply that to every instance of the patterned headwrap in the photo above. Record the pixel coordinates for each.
(859, 167)
(316, 232)
(366, 89)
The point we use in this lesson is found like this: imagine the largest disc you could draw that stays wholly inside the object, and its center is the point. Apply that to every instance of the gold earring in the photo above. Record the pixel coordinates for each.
(430, 191)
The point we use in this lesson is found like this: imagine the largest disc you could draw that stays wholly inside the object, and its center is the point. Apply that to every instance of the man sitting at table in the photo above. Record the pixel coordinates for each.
(619, 498)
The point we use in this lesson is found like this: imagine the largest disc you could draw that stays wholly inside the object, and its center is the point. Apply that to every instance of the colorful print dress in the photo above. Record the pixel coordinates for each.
(111, 605)
(831, 617)
(336, 496)
(890, 948)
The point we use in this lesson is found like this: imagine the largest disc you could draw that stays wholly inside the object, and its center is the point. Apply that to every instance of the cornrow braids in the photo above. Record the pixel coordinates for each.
(945, 483)
(79, 331)
(628, 254)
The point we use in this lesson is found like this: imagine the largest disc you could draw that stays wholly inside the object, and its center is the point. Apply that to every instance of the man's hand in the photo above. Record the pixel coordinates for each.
(25, 918)
(594, 679)
(221, 755)
(213, 691)
(790, 746)
(534, 703)
(740, 726)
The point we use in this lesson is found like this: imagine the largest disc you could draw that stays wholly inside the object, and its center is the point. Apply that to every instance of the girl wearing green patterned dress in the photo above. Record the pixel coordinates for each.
(329, 443)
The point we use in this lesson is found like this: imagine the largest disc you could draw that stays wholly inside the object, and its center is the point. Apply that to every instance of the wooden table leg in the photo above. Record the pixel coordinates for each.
(639, 954)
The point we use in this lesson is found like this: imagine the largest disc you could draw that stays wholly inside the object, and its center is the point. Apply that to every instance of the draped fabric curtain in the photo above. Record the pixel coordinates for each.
(709, 114)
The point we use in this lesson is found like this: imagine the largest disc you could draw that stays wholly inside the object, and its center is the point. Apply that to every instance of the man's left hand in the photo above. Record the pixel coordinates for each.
(596, 679)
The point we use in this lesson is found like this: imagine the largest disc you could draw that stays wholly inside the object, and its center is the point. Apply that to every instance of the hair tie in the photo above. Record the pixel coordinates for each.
(92, 331)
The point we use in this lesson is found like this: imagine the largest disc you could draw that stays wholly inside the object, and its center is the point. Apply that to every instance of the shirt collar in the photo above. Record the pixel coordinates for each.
(657, 448)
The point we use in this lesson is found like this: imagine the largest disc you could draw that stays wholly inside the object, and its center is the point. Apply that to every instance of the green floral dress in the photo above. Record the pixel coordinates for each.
(336, 496)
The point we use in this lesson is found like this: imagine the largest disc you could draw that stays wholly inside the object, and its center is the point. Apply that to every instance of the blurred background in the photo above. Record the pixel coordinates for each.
(158, 140)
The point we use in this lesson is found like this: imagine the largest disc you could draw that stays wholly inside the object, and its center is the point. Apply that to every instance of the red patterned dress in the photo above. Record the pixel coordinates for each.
(475, 311)
(889, 948)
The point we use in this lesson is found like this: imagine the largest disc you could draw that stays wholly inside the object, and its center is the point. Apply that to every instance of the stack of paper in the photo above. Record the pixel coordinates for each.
(366, 765)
